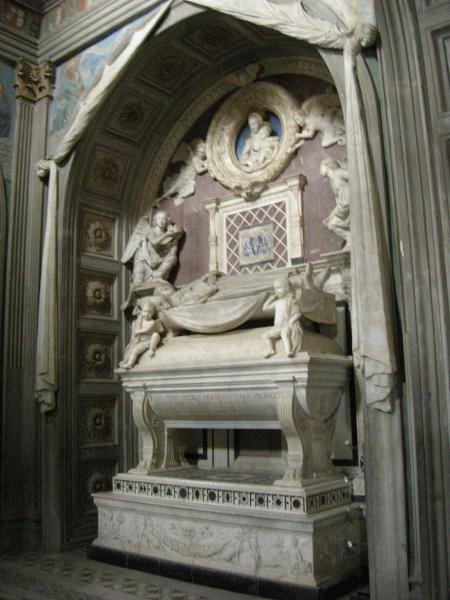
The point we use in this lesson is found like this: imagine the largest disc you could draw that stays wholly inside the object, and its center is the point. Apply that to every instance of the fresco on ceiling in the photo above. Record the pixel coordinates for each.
(76, 77)
(7, 115)
(19, 17)
(66, 12)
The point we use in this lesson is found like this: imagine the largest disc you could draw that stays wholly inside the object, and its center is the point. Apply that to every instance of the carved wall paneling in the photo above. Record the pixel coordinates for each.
(98, 420)
(98, 234)
(170, 69)
(107, 174)
(132, 116)
(98, 294)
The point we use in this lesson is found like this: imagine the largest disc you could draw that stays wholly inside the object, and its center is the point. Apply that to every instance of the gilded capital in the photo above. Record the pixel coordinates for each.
(34, 82)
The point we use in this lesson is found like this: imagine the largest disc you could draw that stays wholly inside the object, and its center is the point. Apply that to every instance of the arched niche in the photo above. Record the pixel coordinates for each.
(110, 180)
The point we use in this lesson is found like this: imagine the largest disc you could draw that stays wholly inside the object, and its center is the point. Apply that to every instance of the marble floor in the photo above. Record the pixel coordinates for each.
(71, 576)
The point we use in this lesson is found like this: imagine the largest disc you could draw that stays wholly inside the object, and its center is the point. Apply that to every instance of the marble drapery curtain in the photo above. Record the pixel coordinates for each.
(372, 321)
(46, 368)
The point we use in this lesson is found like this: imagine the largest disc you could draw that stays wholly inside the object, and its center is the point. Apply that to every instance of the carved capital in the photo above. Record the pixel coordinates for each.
(34, 82)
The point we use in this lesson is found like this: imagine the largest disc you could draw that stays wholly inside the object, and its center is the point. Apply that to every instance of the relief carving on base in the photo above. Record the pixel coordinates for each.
(254, 551)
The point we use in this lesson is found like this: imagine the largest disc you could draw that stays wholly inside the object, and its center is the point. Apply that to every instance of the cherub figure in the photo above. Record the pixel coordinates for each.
(182, 184)
(145, 333)
(321, 113)
(287, 319)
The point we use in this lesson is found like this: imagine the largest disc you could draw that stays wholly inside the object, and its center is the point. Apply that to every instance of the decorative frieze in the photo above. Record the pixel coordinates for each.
(256, 497)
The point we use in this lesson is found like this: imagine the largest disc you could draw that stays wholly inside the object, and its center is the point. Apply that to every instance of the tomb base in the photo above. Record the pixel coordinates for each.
(265, 536)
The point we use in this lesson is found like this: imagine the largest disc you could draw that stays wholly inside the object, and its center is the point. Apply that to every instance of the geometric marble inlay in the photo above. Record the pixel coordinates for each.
(273, 217)
(232, 494)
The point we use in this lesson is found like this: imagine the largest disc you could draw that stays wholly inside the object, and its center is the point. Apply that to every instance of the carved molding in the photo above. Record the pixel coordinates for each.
(34, 82)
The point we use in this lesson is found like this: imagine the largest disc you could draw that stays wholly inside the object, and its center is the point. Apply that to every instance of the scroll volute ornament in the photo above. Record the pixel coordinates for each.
(248, 178)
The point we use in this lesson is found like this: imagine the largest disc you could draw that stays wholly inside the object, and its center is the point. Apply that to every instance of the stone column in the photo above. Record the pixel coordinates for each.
(20, 456)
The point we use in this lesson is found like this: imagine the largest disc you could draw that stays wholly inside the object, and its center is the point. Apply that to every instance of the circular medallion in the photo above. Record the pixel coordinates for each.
(251, 138)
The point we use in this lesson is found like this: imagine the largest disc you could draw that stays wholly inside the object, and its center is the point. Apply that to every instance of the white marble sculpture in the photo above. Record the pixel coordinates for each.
(198, 291)
(287, 319)
(297, 295)
(338, 221)
(264, 154)
(182, 184)
(153, 247)
(260, 147)
(322, 114)
(146, 332)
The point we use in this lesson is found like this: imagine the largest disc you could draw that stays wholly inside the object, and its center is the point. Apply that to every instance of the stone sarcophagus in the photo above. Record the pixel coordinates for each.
(293, 526)
(222, 382)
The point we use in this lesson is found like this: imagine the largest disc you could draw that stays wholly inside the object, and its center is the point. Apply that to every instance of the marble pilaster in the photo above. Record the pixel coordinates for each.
(21, 436)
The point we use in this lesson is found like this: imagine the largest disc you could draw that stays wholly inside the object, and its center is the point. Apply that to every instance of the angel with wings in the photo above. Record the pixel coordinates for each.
(182, 184)
(321, 113)
(153, 247)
